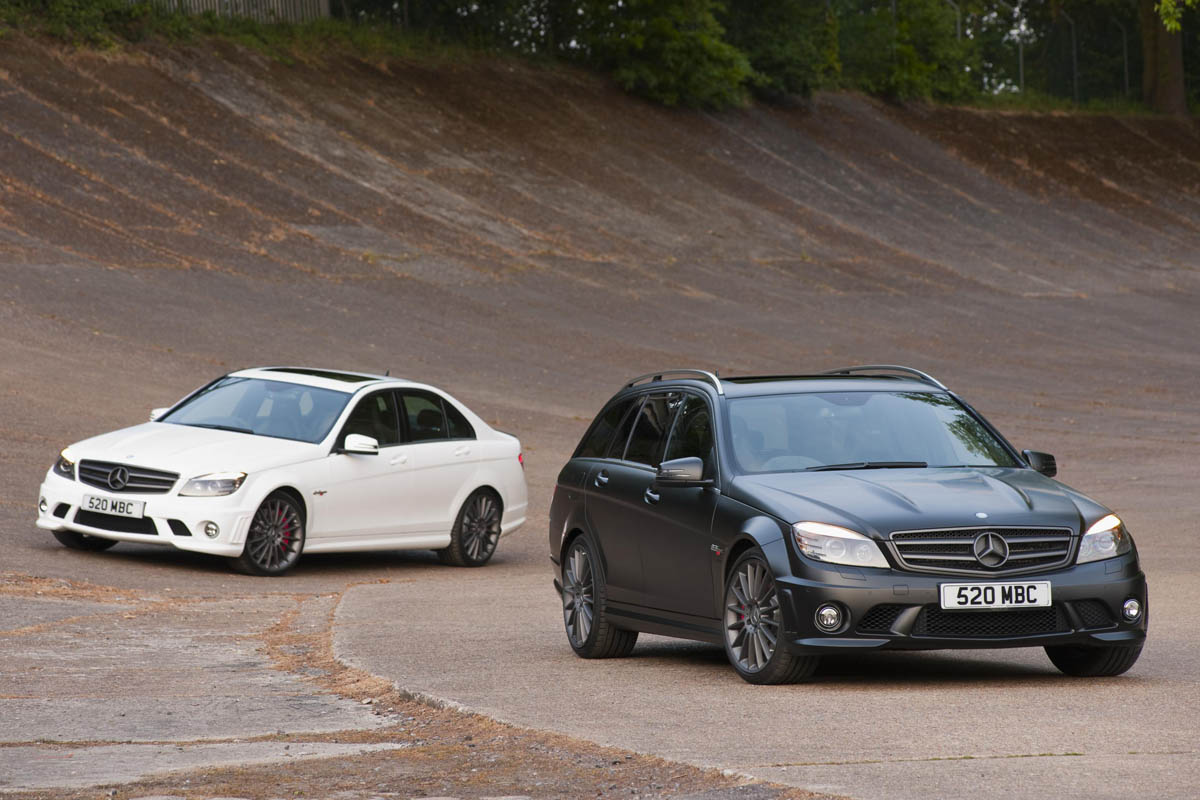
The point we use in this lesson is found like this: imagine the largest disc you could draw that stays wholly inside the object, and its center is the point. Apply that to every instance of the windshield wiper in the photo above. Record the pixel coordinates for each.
(216, 427)
(868, 465)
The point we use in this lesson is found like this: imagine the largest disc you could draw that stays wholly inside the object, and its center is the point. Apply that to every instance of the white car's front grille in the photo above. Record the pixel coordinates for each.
(115, 477)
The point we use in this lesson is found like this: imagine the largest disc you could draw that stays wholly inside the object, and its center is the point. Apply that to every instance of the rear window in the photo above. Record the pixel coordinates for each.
(596, 443)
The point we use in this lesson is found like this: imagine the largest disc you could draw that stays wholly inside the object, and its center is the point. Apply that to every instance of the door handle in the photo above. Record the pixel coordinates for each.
(399, 460)
(462, 451)
(602, 478)
(652, 496)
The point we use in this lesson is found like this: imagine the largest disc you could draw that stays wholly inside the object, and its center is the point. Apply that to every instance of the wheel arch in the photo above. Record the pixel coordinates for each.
(293, 493)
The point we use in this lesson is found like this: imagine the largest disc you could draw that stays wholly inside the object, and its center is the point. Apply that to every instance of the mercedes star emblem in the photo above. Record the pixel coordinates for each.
(118, 478)
(990, 549)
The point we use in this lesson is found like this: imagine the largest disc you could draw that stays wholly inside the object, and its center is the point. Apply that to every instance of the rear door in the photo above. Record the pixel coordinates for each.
(442, 457)
(616, 496)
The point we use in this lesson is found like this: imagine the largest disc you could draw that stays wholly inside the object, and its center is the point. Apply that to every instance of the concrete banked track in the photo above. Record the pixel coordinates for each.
(528, 238)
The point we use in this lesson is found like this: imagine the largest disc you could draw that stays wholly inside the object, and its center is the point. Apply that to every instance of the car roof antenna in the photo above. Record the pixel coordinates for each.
(387, 372)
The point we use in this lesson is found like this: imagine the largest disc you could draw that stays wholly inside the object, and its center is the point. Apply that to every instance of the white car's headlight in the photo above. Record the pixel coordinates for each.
(834, 545)
(214, 484)
(65, 466)
(1107, 538)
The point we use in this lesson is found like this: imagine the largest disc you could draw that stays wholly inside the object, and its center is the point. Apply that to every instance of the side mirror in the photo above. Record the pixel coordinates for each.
(155, 413)
(1041, 462)
(682, 472)
(359, 445)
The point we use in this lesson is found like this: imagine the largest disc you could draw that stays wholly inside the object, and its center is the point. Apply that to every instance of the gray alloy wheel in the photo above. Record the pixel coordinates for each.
(584, 598)
(476, 531)
(754, 626)
(81, 541)
(275, 540)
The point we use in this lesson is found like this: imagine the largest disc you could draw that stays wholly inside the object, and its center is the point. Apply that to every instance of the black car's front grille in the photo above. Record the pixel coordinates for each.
(933, 621)
(109, 522)
(880, 618)
(953, 550)
(1093, 614)
(115, 477)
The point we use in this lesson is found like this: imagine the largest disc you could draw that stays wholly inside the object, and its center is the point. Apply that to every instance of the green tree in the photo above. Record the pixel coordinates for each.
(671, 51)
(792, 45)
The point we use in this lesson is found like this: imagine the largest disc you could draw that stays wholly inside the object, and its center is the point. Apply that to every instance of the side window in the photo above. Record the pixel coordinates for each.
(459, 427)
(649, 435)
(423, 411)
(374, 416)
(598, 440)
(693, 434)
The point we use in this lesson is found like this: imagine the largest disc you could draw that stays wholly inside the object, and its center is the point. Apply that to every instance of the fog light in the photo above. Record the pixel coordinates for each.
(829, 617)
(43, 506)
(1131, 610)
(211, 529)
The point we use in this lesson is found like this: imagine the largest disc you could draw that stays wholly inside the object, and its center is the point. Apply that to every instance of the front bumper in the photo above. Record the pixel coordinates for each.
(893, 610)
(168, 518)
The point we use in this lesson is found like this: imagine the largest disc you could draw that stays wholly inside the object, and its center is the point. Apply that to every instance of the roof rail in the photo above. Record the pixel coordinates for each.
(704, 375)
(922, 376)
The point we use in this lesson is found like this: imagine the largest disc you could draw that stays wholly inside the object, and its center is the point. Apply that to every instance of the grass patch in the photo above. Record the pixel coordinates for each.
(114, 24)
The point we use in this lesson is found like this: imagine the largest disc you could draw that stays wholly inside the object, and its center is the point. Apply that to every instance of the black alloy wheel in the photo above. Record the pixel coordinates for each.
(585, 599)
(81, 541)
(476, 531)
(275, 540)
(754, 626)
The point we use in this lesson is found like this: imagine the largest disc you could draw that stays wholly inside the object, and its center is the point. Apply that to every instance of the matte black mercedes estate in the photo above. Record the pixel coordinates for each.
(865, 508)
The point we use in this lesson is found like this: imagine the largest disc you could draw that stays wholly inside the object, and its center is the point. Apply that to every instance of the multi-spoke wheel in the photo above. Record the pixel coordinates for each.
(476, 531)
(584, 597)
(81, 541)
(754, 626)
(275, 539)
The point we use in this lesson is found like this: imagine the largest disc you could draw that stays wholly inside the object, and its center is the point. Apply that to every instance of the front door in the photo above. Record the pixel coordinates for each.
(677, 554)
(364, 495)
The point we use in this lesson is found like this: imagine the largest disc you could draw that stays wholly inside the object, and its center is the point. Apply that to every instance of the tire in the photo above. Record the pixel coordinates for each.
(81, 541)
(1082, 661)
(275, 539)
(476, 531)
(590, 632)
(754, 624)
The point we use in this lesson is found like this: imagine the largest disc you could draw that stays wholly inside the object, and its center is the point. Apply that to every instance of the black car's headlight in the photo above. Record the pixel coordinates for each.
(836, 545)
(214, 484)
(65, 466)
(1107, 538)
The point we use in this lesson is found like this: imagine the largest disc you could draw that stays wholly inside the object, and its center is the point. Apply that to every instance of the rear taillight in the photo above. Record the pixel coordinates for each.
(521, 460)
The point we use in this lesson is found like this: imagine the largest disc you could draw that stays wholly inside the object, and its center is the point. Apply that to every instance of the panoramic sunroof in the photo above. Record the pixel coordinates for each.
(344, 377)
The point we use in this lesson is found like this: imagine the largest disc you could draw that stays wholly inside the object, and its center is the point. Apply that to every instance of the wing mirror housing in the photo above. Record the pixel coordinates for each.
(360, 445)
(1041, 462)
(682, 472)
(155, 413)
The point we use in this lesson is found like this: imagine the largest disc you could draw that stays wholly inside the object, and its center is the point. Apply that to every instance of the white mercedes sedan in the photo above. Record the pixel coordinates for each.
(265, 464)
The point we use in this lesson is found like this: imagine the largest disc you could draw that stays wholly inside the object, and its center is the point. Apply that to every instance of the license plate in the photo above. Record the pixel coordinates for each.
(114, 506)
(1017, 594)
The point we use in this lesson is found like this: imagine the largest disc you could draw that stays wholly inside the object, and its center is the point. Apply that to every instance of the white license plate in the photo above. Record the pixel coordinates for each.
(1015, 594)
(114, 506)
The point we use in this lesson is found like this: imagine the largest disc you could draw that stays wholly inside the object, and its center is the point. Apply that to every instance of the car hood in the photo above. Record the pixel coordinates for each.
(879, 501)
(193, 451)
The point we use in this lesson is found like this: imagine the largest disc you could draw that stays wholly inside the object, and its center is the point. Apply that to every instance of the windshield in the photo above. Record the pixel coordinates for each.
(265, 408)
(858, 430)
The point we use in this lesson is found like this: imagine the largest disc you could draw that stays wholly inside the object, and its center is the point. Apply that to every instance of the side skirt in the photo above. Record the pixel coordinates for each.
(665, 623)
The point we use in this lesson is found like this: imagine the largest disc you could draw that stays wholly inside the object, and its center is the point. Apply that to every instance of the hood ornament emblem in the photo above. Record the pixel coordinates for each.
(990, 549)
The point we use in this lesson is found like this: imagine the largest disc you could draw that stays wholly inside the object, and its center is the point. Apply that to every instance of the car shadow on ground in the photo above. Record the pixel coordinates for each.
(919, 667)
